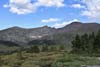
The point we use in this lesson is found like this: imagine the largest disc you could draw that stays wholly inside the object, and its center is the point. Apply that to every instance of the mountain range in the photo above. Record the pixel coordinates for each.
(17, 36)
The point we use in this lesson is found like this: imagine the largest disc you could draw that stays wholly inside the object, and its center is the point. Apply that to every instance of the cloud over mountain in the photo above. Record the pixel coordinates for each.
(50, 20)
(59, 25)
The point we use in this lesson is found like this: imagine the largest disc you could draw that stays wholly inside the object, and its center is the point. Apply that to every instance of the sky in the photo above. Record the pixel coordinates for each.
(53, 13)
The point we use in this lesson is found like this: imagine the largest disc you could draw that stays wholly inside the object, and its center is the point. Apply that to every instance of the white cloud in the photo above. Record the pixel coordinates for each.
(26, 6)
(77, 6)
(93, 9)
(49, 3)
(50, 20)
(20, 6)
(59, 25)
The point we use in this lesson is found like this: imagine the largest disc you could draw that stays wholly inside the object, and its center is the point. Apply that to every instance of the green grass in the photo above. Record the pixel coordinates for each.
(44, 59)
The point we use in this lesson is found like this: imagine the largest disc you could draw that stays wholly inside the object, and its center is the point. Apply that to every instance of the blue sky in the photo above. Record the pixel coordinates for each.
(54, 13)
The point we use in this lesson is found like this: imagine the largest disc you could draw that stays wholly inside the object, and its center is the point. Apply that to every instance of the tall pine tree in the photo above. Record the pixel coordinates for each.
(91, 42)
(97, 42)
(76, 44)
(85, 43)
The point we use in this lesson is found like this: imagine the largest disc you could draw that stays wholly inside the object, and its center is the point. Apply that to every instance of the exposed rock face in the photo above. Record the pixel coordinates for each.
(22, 36)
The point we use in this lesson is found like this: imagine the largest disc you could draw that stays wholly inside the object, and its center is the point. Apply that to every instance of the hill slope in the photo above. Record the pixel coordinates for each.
(23, 37)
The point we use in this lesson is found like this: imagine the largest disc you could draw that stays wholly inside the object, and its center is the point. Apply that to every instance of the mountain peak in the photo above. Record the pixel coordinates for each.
(45, 26)
(73, 24)
(76, 22)
(15, 27)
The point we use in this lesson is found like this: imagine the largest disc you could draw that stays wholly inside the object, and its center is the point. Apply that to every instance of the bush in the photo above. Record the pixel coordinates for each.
(34, 49)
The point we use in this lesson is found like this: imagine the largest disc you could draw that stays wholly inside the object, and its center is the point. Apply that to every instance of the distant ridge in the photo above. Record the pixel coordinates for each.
(23, 36)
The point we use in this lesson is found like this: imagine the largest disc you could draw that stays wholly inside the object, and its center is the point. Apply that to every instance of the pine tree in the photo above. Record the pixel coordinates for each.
(76, 44)
(91, 42)
(97, 42)
(35, 49)
(85, 43)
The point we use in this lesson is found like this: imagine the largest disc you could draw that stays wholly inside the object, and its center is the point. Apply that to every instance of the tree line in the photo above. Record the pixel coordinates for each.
(86, 43)
(44, 48)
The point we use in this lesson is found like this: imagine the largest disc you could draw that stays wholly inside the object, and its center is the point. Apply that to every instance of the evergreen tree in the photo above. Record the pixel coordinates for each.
(35, 49)
(76, 44)
(85, 43)
(96, 45)
(91, 42)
